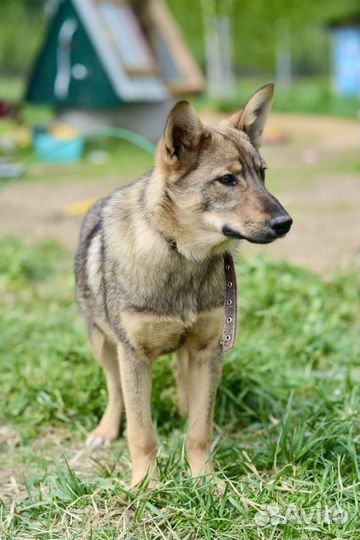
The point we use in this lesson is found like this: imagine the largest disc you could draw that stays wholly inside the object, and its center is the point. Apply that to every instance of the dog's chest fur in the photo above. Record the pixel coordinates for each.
(167, 285)
(135, 285)
(158, 305)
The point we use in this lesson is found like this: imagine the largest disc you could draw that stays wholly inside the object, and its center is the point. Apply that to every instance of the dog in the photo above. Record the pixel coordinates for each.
(150, 272)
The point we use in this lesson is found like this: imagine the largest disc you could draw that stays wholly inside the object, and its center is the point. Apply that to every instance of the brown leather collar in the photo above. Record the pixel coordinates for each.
(230, 304)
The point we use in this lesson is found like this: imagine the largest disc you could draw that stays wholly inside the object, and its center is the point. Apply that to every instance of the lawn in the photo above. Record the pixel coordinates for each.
(286, 419)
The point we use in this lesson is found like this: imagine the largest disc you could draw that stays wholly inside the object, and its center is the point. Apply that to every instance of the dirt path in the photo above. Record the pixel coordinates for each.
(314, 174)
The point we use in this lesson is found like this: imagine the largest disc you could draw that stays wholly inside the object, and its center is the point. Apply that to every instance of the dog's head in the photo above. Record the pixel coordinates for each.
(214, 179)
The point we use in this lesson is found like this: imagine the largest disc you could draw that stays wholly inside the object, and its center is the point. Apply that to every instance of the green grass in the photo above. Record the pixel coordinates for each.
(286, 417)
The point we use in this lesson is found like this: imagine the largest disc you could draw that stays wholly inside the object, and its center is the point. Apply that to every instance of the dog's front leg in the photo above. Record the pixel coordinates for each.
(135, 372)
(205, 369)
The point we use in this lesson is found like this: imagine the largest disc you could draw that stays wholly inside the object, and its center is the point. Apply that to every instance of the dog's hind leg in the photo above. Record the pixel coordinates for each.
(108, 428)
(181, 369)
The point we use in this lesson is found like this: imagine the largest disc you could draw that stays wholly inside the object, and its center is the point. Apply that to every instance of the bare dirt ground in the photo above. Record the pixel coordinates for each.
(314, 173)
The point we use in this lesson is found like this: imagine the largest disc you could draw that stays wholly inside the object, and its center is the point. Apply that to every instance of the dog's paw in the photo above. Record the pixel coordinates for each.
(96, 441)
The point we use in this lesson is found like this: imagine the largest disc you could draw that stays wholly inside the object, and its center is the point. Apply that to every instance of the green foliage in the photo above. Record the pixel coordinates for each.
(256, 31)
(286, 416)
(21, 32)
(311, 96)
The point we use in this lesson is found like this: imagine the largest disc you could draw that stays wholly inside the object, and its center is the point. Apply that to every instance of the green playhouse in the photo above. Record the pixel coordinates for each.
(113, 62)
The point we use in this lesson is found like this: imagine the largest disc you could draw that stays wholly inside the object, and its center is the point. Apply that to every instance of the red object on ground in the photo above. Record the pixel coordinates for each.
(7, 109)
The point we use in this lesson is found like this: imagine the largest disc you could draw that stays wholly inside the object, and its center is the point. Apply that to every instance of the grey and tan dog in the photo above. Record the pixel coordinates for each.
(150, 274)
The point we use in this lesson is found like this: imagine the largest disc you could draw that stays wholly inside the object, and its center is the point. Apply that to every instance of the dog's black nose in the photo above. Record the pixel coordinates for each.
(281, 224)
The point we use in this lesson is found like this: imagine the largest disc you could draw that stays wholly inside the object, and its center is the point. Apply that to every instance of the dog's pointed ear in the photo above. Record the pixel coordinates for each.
(183, 135)
(252, 117)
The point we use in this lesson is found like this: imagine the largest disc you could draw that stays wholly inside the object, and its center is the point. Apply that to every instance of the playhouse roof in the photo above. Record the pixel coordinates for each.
(125, 51)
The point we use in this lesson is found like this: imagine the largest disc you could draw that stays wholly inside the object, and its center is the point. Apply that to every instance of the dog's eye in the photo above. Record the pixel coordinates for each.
(228, 180)
(262, 173)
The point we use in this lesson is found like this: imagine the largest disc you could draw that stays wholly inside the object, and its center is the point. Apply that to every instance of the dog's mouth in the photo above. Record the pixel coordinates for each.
(260, 237)
(231, 233)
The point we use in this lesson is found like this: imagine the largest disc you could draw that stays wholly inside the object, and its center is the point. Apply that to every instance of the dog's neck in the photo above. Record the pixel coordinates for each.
(176, 225)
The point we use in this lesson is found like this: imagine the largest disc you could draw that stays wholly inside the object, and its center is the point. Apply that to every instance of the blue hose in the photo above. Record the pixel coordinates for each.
(111, 131)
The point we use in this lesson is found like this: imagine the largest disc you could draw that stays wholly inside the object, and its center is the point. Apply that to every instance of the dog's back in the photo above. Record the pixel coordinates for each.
(91, 232)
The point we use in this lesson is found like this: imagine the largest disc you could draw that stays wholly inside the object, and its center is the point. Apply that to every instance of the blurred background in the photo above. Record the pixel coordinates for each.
(85, 87)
